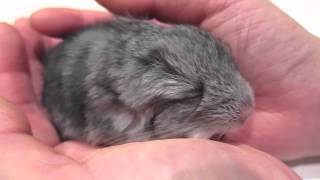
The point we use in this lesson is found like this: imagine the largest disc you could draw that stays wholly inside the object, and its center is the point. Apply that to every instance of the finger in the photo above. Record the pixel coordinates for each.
(250, 154)
(12, 120)
(16, 84)
(176, 158)
(61, 21)
(184, 11)
(34, 46)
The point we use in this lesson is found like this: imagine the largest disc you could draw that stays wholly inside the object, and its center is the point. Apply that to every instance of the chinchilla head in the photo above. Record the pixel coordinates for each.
(187, 80)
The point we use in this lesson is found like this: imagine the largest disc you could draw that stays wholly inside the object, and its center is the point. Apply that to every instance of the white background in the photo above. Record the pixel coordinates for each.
(306, 12)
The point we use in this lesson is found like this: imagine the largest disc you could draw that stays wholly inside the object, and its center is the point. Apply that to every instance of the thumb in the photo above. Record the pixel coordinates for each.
(12, 120)
(174, 11)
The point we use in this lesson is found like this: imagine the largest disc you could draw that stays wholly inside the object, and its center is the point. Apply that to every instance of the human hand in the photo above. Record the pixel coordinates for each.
(23, 156)
(275, 54)
(35, 152)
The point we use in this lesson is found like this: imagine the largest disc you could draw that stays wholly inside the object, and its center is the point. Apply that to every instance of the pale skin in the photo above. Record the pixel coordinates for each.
(276, 55)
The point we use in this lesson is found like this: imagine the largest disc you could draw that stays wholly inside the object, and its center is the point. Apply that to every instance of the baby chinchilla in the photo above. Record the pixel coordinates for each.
(131, 80)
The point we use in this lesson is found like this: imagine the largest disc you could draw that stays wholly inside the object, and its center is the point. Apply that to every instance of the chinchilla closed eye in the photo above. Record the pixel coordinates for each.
(130, 80)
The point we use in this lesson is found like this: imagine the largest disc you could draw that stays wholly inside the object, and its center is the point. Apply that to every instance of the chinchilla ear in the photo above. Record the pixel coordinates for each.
(161, 81)
(154, 87)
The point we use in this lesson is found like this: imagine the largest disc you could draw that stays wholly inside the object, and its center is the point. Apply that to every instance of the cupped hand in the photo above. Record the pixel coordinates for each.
(30, 148)
(275, 54)
(23, 156)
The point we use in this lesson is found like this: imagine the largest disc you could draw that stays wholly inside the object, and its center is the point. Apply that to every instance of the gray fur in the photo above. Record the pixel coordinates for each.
(130, 80)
